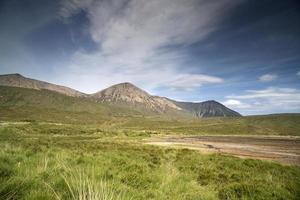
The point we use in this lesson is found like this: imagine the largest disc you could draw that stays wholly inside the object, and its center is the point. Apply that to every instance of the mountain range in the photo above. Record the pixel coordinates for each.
(128, 95)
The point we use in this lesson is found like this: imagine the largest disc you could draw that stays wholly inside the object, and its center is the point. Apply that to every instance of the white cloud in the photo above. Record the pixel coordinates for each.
(136, 37)
(191, 81)
(298, 73)
(233, 103)
(271, 92)
(270, 100)
(268, 77)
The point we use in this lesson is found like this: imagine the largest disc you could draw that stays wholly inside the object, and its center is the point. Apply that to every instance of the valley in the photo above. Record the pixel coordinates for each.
(149, 100)
(126, 144)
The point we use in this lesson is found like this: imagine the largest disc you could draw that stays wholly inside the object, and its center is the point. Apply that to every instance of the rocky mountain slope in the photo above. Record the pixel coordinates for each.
(17, 80)
(127, 94)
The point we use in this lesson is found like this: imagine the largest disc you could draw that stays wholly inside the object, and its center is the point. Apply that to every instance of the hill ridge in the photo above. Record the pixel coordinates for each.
(18, 80)
(129, 95)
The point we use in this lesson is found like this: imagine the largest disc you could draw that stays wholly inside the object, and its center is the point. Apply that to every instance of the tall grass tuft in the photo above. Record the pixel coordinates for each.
(82, 186)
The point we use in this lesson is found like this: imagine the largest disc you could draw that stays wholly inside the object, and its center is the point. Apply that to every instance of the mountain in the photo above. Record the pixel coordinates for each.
(44, 105)
(129, 96)
(208, 109)
(17, 80)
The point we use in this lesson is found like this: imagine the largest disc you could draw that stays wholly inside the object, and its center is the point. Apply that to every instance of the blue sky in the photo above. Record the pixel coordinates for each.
(243, 53)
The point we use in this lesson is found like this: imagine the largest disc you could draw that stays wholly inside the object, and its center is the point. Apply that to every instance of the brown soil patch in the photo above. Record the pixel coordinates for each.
(284, 149)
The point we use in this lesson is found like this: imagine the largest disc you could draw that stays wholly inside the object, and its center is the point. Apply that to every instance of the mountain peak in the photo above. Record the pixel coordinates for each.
(17, 75)
(122, 92)
(210, 108)
(125, 85)
(125, 88)
(210, 102)
(129, 94)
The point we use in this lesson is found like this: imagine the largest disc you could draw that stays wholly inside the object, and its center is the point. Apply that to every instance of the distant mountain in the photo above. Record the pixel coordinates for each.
(130, 96)
(17, 80)
(208, 109)
(127, 93)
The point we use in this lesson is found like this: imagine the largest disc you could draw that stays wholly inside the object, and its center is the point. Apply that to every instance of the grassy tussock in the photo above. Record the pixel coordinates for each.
(82, 186)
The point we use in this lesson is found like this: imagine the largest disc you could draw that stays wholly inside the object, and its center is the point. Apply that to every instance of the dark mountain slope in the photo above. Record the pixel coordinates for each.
(208, 109)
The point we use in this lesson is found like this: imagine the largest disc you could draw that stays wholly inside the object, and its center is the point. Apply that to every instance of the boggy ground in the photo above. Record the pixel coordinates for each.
(63, 161)
(285, 149)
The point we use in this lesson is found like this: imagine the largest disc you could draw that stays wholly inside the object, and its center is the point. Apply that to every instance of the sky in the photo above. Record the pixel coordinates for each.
(242, 53)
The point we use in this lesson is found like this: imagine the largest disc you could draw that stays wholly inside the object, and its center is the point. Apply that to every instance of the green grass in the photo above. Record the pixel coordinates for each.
(58, 147)
(19, 104)
(284, 124)
(58, 161)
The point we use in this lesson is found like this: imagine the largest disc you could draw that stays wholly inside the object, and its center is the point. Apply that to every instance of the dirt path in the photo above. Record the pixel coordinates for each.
(284, 149)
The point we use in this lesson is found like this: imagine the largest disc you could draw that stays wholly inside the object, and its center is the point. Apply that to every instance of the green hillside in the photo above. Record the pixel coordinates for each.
(44, 105)
(13, 96)
(19, 104)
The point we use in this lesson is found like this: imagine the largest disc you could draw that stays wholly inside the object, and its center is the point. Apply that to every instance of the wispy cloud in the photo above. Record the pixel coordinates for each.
(298, 73)
(268, 77)
(290, 94)
(190, 82)
(143, 41)
(272, 99)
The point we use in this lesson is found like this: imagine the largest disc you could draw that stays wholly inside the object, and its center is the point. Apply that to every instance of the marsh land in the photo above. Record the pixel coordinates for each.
(46, 160)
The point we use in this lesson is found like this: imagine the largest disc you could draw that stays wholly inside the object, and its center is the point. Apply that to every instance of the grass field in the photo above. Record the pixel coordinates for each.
(57, 161)
(58, 147)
